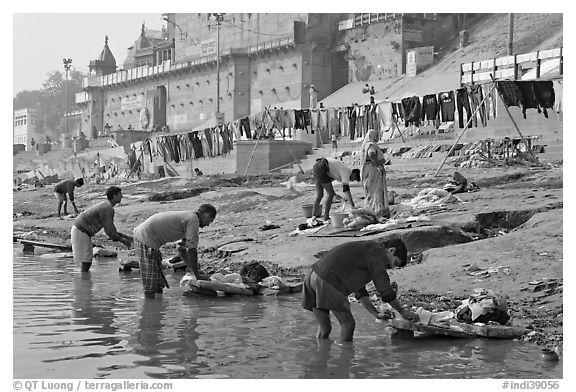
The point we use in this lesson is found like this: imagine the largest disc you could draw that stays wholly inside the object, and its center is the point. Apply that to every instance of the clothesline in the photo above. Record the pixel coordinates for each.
(353, 120)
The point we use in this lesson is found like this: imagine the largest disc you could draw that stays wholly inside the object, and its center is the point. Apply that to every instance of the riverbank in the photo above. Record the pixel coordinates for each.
(511, 229)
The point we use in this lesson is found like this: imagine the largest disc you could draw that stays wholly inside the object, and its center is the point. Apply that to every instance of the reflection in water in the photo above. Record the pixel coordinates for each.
(74, 325)
(93, 310)
(328, 363)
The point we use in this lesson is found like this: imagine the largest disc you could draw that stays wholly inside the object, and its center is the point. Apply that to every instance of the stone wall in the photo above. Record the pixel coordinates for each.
(268, 154)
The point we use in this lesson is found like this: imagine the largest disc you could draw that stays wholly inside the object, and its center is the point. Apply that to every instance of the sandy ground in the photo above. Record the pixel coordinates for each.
(516, 219)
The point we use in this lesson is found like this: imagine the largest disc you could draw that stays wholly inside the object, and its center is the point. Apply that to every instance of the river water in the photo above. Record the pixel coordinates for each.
(97, 325)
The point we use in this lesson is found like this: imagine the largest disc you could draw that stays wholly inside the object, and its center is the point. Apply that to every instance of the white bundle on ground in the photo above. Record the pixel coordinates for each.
(431, 197)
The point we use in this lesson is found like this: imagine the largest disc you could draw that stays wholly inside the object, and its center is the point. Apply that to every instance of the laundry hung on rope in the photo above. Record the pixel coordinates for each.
(412, 110)
(209, 142)
(446, 99)
(462, 104)
(528, 95)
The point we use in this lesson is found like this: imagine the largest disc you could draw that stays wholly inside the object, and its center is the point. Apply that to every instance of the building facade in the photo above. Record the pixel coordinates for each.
(265, 60)
(24, 128)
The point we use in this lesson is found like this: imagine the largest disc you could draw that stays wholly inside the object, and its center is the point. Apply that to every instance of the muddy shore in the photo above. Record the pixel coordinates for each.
(511, 228)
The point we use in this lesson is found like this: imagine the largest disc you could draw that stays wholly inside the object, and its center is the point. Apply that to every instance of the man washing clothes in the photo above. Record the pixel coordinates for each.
(164, 227)
(90, 222)
(326, 170)
(346, 269)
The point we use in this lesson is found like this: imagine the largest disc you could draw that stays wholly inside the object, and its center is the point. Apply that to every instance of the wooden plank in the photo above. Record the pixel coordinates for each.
(463, 330)
(527, 57)
(551, 53)
(508, 60)
(410, 326)
(226, 288)
(30, 243)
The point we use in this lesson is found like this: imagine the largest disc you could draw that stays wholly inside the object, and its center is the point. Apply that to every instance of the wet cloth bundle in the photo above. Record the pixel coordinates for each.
(484, 306)
(359, 218)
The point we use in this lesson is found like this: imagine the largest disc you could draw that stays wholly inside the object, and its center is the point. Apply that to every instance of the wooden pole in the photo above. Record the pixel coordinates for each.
(255, 145)
(98, 170)
(464, 130)
(514, 122)
(168, 163)
(511, 35)
(296, 160)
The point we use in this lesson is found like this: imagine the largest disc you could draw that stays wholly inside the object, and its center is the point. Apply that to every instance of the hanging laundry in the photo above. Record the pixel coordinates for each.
(527, 96)
(559, 91)
(352, 121)
(385, 114)
(490, 100)
(333, 122)
(372, 117)
(430, 107)
(463, 104)
(360, 125)
(300, 121)
(477, 101)
(447, 106)
(545, 97)
(323, 120)
(412, 110)
(344, 122)
(510, 93)
(314, 119)
(245, 127)
(291, 119)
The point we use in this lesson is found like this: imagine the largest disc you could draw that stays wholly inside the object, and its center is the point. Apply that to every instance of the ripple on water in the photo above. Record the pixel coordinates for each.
(97, 325)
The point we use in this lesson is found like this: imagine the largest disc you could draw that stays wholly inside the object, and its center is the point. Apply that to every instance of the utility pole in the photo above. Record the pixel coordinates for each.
(510, 33)
(67, 65)
(219, 18)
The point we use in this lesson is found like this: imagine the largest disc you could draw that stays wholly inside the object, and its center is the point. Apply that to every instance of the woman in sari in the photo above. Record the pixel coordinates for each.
(374, 176)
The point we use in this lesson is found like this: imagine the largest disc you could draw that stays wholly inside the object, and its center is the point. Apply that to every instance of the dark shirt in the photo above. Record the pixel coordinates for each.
(350, 266)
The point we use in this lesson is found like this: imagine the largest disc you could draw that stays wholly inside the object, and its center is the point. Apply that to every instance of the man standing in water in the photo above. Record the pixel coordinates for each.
(164, 227)
(90, 222)
(346, 269)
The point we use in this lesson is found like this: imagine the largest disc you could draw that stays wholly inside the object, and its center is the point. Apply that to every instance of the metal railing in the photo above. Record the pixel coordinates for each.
(364, 19)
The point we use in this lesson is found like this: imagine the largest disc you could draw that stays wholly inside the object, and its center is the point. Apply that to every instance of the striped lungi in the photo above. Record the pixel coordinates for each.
(150, 259)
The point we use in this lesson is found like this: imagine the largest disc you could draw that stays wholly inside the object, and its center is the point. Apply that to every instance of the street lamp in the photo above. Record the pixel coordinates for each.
(219, 17)
(183, 35)
(67, 65)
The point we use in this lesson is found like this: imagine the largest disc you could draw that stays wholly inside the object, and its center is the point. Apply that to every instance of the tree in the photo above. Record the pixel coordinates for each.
(50, 100)
(26, 99)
